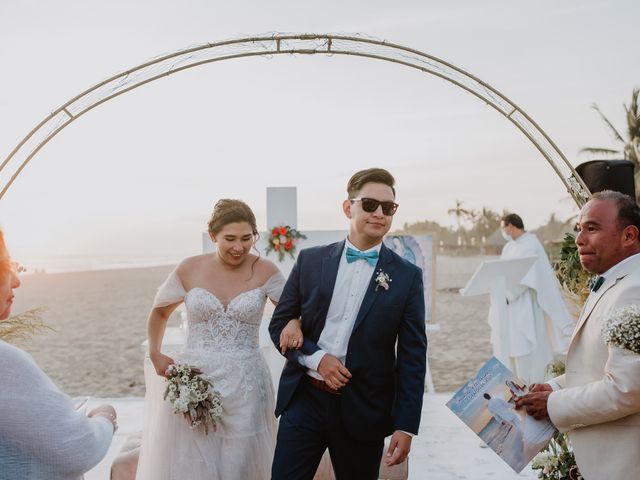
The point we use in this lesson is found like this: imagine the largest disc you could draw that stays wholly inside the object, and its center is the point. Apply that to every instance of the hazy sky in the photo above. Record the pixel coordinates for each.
(139, 175)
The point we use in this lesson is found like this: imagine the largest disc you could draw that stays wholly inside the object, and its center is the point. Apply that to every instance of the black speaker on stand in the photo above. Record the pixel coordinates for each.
(614, 175)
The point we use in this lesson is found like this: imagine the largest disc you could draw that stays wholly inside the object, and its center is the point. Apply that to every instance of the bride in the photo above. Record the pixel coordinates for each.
(224, 294)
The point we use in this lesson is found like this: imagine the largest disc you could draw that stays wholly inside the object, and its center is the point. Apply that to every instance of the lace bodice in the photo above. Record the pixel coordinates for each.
(214, 327)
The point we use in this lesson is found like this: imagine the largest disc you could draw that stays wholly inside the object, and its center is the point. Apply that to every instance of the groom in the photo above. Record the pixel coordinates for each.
(359, 375)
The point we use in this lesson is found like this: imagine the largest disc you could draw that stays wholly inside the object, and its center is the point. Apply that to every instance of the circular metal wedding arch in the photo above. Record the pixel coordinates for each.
(285, 44)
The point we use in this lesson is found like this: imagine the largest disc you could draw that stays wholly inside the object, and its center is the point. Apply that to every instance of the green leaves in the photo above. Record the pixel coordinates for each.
(556, 461)
(569, 271)
(630, 150)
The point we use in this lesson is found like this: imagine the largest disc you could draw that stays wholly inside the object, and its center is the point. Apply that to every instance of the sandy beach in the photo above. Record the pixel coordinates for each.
(99, 322)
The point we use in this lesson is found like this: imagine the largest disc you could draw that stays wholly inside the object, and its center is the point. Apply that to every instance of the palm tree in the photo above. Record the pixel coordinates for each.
(460, 213)
(485, 222)
(631, 147)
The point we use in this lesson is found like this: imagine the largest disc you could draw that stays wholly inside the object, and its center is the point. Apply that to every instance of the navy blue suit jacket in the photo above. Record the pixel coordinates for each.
(386, 390)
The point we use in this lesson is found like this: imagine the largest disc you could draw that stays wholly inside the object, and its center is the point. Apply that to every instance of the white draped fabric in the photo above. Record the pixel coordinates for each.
(42, 436)
(538, 324)
(223, 342)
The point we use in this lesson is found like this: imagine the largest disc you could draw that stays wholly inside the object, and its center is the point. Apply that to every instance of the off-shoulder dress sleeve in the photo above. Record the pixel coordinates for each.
(273, 287)
(170, 292)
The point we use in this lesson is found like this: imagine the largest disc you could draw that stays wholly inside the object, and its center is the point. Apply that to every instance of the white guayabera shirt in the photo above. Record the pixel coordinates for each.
(41, 434)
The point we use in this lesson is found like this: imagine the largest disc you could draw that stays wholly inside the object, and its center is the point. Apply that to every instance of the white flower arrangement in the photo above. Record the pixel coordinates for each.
(192, 395)
(545, 461)
(382, 280)
(556, 461)
(622, 328)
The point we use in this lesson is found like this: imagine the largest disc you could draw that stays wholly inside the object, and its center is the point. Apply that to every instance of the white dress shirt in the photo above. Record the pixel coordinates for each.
(351, 285)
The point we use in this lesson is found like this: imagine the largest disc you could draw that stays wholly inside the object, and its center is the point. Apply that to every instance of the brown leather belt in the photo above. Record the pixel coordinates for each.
(321, 385)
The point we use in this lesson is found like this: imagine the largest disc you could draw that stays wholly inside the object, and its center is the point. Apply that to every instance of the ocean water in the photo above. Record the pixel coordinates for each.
(83, 263)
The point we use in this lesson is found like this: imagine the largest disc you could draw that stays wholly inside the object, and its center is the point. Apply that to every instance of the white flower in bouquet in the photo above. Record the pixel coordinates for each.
(545, 461)
(556, 461)
(622, 328)
(192, 395)
(180, 405)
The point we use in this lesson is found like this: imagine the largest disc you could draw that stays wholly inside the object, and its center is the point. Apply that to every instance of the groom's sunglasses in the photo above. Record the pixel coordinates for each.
(370, 205)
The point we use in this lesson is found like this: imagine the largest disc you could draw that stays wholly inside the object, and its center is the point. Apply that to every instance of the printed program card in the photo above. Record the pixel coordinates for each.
(486, 404)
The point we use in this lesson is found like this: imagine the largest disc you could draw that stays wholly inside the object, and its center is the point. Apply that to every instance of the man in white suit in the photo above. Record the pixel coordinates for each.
(598, 399)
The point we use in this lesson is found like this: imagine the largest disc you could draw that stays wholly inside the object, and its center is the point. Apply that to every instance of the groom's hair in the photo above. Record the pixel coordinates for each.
(370, 175)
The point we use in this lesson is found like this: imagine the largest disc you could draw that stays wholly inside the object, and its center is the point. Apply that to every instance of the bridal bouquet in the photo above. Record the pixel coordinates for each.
(193, 395)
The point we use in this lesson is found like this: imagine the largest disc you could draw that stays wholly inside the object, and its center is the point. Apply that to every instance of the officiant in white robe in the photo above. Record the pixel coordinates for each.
(537, 325)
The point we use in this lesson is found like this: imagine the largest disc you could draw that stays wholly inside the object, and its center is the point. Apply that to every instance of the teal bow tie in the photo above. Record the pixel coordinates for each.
(370, 256)
(596, 283)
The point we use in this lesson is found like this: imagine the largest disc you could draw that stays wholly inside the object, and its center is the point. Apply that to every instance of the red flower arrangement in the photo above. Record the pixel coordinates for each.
(283, 240)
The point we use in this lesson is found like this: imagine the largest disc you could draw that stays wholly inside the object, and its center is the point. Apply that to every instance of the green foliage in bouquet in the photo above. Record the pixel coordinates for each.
(571, 275)
(556, 461)
(20, 328)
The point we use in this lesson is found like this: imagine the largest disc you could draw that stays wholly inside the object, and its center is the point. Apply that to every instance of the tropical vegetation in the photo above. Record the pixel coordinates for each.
(630, 147)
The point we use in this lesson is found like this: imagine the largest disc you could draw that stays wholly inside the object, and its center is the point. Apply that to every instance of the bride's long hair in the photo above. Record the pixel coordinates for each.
(228, 210)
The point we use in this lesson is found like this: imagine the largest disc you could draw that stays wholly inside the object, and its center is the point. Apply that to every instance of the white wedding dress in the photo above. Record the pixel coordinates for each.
(223, 343)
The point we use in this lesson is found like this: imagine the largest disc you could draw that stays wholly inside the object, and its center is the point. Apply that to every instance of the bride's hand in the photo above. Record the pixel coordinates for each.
(291, 337)
(161, 362)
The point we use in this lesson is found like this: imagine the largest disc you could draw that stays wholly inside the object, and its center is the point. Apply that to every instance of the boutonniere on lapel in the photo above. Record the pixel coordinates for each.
(382, 280)
(622, 328)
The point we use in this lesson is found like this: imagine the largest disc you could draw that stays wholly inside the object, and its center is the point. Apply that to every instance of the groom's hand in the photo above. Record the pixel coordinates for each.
(399, 448)
(334, 373)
